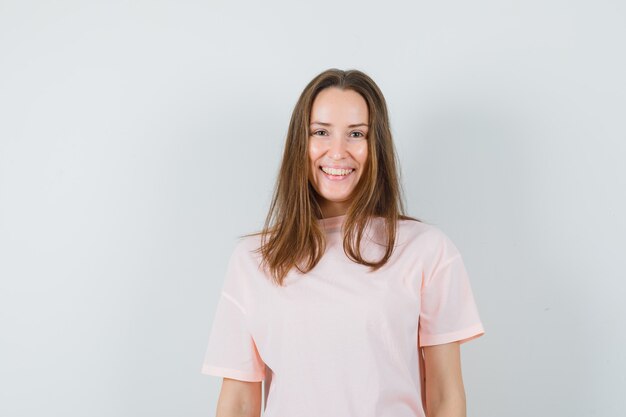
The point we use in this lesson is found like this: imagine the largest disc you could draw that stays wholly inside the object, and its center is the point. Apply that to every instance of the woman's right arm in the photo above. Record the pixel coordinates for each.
(239, 399)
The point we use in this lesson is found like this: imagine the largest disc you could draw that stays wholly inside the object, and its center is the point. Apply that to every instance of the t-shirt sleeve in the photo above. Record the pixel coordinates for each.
(231, 350)
(448, 310)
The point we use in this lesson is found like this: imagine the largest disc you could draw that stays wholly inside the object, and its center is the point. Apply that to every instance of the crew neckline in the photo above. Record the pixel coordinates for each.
(333, 222)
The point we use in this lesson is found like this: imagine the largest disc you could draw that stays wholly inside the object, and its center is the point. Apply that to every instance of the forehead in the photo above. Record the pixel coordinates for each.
(336, 106)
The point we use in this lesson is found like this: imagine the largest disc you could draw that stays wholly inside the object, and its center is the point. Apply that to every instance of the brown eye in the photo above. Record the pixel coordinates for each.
(320, 133)
(358, 134)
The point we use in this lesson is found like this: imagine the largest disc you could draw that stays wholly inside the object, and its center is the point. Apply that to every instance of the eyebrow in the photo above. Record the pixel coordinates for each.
(328, 124)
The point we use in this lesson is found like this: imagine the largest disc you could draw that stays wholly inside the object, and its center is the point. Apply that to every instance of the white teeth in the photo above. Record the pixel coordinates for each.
(333, 171)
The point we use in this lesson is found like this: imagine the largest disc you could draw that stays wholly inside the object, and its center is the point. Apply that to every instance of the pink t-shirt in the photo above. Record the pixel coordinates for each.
(342, 341)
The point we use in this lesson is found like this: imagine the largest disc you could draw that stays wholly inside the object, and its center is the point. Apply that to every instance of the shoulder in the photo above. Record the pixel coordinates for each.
(246, 250)
(241, 281)
(427, 240)
(422, 232)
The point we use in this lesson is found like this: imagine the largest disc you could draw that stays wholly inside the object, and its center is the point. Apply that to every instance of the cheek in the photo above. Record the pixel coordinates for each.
(315, 152)
(360, 153)
(312, 158)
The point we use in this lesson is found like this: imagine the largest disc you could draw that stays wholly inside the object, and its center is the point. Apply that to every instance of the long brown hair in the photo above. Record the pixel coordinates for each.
(292, 232)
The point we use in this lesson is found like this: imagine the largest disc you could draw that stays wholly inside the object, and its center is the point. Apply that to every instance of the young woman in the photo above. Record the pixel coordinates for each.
(342, 304)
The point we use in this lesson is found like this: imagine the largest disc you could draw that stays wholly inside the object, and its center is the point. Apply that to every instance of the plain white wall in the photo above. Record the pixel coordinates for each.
(138, 139)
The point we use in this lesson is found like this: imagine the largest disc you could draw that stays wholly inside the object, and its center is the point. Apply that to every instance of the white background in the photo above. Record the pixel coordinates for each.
(139, 138)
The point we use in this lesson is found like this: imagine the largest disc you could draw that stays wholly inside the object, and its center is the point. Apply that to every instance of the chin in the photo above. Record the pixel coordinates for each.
(335, 198)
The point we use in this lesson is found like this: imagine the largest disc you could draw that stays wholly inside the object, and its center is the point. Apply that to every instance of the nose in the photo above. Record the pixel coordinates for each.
(337, 149)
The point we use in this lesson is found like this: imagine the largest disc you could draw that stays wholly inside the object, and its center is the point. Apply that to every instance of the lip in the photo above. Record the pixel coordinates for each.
(337, 177)
(335, 167)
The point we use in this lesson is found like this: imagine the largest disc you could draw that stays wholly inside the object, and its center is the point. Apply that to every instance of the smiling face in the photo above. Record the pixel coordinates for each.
(338, 147)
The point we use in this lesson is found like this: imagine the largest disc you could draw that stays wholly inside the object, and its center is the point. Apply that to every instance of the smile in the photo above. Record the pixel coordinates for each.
(337, 171)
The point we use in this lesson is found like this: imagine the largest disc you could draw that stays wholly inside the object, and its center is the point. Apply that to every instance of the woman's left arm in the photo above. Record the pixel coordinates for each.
(444, 390)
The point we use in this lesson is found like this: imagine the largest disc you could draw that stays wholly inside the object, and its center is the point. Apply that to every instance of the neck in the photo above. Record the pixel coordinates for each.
(333, 209)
